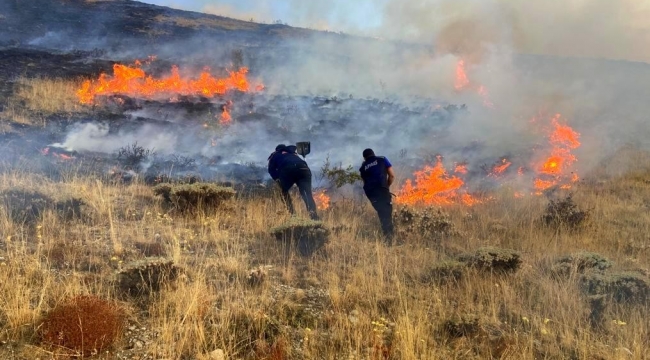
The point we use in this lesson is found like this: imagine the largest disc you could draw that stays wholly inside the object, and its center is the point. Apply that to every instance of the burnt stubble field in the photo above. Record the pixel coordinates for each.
(137, 220)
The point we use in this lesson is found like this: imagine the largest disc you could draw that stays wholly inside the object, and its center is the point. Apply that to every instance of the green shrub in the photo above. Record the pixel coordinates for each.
(147, 276)
(194, 197)
(307, 235)
(82, 326)
(622, 287)
(493, 259)
(580, 263)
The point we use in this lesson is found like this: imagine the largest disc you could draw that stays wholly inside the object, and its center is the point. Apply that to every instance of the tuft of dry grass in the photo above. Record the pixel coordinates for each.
(209, 22)
(83, 325)
(36, 98)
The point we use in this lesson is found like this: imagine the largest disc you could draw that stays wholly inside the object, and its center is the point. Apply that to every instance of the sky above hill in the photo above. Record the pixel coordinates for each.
(584, 28)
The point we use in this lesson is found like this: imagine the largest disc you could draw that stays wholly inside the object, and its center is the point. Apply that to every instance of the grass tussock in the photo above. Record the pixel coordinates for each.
(82, 326)
(190, 198)
(226, 282)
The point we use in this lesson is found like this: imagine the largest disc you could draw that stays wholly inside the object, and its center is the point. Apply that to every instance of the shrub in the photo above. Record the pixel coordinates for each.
(339, 176)
(194, 197)
(147, 276)
(445, 272)
(307, 235)
(132, 156)
(579, 263)
(493, 259)
(564, 212)
(464, 325)
(622, 287)
(150, 249)
(28, 206)
(427, 222)
(84, 325)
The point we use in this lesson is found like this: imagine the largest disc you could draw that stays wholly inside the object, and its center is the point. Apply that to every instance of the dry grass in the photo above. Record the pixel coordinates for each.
(208, 22)
(35, 99)
(357, 300)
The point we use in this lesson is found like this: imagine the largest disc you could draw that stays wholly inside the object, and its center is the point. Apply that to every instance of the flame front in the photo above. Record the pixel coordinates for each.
(433, 186)
(322, 200)
(133, 81)
(555, 169)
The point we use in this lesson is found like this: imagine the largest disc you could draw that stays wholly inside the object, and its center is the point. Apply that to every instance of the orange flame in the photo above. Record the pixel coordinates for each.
(322, 200)
(433, 186)
(500, 168)
(134, 82)
(225, 117)
(555, 170)
(461, 76)
(460, 169)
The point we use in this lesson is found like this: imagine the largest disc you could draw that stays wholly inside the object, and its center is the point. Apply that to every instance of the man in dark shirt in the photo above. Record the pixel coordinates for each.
(288, 169)
(272, 160)
(377, 175)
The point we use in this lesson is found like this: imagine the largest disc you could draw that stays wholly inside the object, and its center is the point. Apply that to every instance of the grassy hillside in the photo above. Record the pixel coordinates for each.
(242, 291)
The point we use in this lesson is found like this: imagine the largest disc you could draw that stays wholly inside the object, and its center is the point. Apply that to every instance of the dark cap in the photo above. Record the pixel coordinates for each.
(368, 153)
(280, 147)
(291, 149)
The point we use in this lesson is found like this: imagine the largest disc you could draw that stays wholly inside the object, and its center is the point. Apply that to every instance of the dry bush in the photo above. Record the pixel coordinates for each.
(307, 235)
(462, 325)
(565, 213)
(427, 223)
(579, 263)
(28, 206)
(147, 276)
(190, 198)
(84, 325)
(150, 249)
(623, 286)
(445, 272)
(493, 259)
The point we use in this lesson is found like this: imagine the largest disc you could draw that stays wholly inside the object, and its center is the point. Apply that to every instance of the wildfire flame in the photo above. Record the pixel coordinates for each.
(134, 82)
(500, 168)
(433, 186)
(322, 200)
(226, 118)
(555, 169)
(461, 76)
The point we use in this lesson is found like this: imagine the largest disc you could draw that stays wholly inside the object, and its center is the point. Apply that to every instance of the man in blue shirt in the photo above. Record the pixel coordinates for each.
(377, 175)
(287, 168)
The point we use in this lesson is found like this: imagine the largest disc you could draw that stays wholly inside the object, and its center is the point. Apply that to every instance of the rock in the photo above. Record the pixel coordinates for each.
(217, 355)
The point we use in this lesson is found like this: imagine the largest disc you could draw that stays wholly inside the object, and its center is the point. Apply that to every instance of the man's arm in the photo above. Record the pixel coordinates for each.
(391, 176)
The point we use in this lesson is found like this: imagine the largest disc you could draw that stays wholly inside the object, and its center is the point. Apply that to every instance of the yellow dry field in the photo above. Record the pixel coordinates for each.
(355, 299)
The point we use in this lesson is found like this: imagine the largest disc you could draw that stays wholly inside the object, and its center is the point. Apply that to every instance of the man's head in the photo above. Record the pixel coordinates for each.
(280, 147)
(368, 153)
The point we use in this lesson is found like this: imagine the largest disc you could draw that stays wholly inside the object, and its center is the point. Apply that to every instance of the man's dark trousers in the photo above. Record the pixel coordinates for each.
(302, 178)
(381, 200)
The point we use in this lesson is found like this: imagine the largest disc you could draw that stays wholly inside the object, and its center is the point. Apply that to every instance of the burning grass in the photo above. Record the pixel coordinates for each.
(405, 302)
